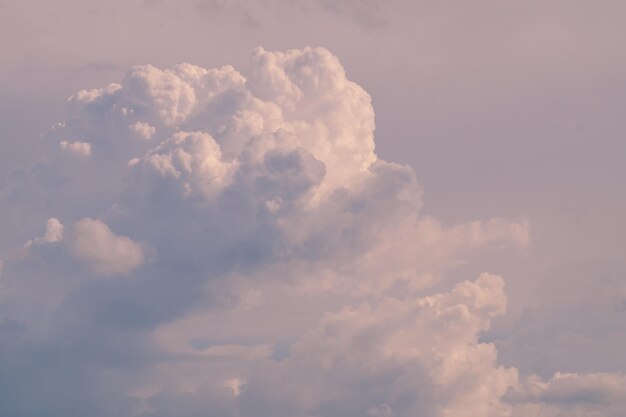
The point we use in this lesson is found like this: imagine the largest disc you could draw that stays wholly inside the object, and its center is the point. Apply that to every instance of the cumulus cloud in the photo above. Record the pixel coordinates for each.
(191, 159)
(570, 394)
(290, 271)
(76, 148)
(54, 232)
(142, 130)
(106, 253)
(405, 357)
(236, 385)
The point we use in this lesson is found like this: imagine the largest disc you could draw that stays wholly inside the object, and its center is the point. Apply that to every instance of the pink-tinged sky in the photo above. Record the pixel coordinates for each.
(283, 208)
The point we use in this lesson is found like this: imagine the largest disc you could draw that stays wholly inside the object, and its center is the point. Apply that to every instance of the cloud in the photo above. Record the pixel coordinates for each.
(236, 385)
(191, 159)
(54, 231)
(76, 148)
(106, 253)
(53, 234)
(408, 357)
(290, 269)
(143, 130)
(570, 394)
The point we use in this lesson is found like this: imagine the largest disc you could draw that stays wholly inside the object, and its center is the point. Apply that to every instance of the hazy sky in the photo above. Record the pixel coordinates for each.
(289, 208)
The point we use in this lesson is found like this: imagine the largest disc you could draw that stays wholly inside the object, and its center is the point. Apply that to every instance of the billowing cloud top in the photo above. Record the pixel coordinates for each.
(216, 244)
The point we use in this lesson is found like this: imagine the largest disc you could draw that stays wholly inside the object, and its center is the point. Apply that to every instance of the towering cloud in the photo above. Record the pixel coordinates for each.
(260, 260)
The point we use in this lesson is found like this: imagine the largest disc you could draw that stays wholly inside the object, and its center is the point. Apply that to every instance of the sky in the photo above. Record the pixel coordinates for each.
(322, 208)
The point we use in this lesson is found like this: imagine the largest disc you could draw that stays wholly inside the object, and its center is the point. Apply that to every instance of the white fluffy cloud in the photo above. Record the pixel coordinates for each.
(77, 148)
(105, 252)
(403, 356)
(290, 268)
(569, 394)
(143, 130)
(53, 233)
(192, 160)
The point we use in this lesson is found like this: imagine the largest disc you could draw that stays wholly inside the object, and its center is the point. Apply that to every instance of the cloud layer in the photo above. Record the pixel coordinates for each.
(235, 247)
